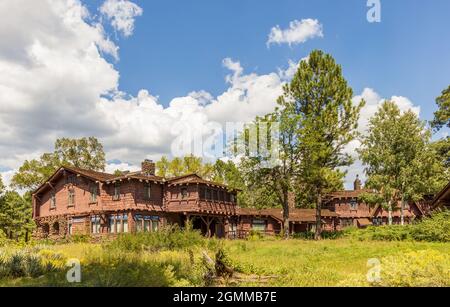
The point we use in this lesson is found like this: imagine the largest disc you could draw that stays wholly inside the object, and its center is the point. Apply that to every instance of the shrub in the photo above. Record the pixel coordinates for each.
(30, 262)
(168, 238)
(433, 229)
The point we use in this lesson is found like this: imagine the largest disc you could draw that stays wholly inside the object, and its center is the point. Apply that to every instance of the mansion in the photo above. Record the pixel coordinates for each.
(76, 201)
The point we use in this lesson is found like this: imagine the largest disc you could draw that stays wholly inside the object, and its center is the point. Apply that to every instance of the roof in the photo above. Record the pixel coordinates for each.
(106, 177)
(444, 194)
(364, 222)
(94, 175)
(348, 193)
(138, 176)
(194, 178)
(295, 215)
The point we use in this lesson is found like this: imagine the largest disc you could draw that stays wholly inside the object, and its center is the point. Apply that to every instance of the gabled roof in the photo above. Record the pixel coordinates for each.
(93, 175)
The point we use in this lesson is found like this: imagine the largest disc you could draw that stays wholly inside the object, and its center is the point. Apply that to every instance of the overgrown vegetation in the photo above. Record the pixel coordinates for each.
(183, 258)
(433, 229)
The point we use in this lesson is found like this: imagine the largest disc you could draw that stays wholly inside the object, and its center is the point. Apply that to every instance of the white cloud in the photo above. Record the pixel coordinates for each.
(56, 82)
(297, 33)
(121, 14)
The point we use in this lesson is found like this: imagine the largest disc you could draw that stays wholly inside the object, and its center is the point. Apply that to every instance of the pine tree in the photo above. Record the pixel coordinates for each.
(321, 100)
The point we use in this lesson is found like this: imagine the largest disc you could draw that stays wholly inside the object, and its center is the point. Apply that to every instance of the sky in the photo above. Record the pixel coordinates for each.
(139, 75)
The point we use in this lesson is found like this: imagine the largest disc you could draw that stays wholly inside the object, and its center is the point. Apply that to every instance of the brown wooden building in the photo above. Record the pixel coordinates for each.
(79, 201)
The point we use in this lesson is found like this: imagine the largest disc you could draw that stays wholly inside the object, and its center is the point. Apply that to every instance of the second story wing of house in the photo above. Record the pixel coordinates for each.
(72, 190)
(191, 193)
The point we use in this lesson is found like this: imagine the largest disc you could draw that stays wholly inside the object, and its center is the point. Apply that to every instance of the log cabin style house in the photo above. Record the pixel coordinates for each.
(76, 201)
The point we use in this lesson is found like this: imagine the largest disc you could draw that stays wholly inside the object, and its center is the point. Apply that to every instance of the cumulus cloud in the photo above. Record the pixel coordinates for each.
(297, 33)
(56, 82)
(121, 14)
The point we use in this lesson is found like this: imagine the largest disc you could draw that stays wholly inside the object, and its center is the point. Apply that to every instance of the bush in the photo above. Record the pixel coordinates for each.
(167, 238)
(30, 262)
(433, 229)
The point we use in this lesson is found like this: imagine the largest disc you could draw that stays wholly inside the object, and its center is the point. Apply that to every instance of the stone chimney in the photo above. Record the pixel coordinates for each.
(291, 200)
(148, 167)
(357, 184)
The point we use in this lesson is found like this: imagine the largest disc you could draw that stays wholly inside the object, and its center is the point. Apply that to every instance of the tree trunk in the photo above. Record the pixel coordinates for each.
(26, 236)
(318, 234)
(390, 213)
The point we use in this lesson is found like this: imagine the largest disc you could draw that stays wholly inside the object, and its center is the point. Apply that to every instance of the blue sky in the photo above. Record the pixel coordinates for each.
(178, 46)
(59, 60)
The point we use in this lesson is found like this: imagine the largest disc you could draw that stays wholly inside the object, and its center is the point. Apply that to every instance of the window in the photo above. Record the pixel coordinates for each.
(69, 228)
(94, 191)
(184, 193)
(259, 225)
(208, 194)
(95, 224)
(146, 223)
(112, 224)
(155, 223)
(118, 223)
(214, 194)
(354, 204)
(116, 191)
(147, 191)
(71, 197)
(72, 179)
(221, 195)
(202, 193)
(346, 222)
(53, 201)
(232, 198)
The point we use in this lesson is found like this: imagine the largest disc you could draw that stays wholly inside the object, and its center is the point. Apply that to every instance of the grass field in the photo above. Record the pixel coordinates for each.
(341, 262)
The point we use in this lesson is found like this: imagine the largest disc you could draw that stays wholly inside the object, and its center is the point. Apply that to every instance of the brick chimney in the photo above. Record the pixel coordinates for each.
(148, 167)
(357, 184)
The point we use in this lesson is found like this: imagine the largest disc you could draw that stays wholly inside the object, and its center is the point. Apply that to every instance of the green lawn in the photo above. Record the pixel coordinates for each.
(261, 262)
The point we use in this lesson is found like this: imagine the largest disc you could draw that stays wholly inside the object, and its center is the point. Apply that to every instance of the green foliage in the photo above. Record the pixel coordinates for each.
(15, 215)
(442, 115)
(84, 153)
(184, 166)
(30, 262)
(423, 268)
(433, 229)
(400, 162)
(167, 238)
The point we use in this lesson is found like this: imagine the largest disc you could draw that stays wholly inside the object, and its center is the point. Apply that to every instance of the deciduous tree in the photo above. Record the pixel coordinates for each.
(400, 162)
(84, 153)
